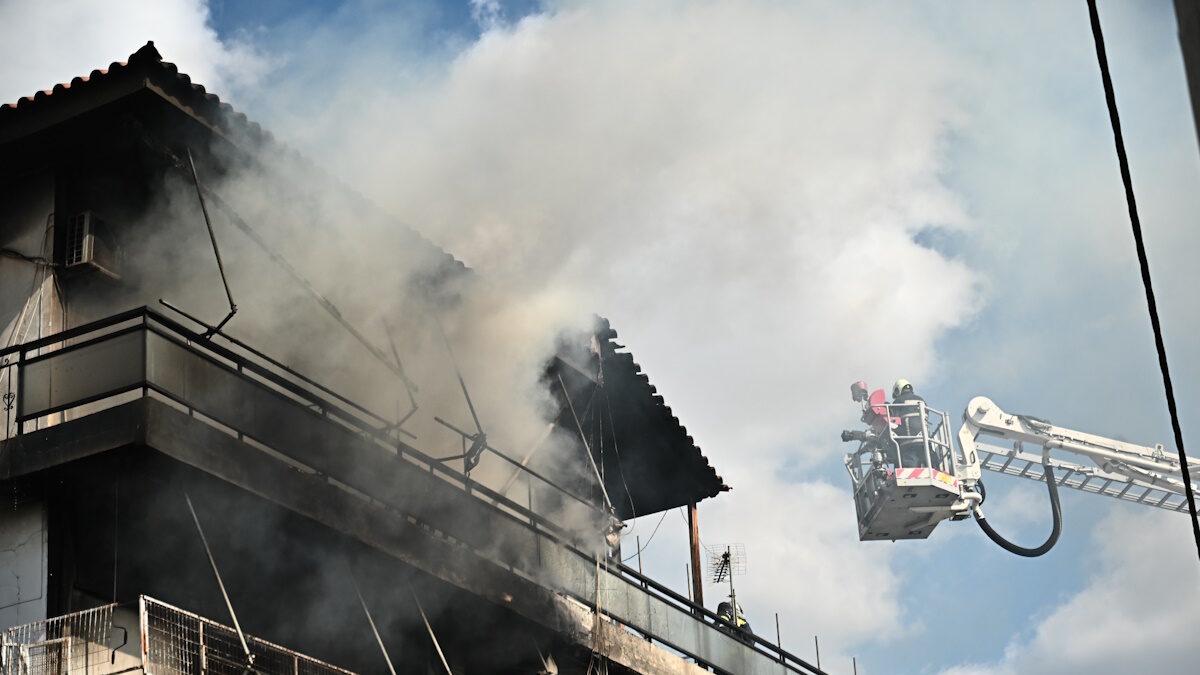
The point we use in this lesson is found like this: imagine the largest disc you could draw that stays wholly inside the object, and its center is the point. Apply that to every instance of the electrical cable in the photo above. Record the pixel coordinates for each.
(643, 548)
(17, 255)
(1055, 531)
(1143, 264)
(613, 429)
(587, 448)
(212, 235)
(14, 338)
(707, 549)
(281, 262)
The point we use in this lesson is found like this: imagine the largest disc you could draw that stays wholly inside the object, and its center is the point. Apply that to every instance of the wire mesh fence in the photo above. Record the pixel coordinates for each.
(173, 642)
(178, 642)
(75, 643)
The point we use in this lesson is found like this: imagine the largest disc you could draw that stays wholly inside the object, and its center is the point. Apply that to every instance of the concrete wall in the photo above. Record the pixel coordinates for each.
(30, 305)
(26, 223)
(22, 564)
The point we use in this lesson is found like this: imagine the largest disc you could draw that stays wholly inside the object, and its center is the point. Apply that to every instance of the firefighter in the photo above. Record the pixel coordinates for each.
(905, 405)
(735, 622)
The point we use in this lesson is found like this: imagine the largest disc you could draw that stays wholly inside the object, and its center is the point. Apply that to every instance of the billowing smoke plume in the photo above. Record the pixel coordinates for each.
(748, 193)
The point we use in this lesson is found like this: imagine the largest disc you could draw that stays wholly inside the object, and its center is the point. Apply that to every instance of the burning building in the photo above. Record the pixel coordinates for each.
(238, 436)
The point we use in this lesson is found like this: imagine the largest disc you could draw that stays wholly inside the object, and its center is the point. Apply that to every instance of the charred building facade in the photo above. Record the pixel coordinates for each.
(309, 437)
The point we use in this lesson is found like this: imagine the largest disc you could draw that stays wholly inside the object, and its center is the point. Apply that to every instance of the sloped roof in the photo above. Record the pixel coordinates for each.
(650, 461)
(154, 73)
(145, 70)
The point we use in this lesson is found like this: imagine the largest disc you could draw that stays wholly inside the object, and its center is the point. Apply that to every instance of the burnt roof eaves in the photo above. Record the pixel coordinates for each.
(579, 368)
(607, 336)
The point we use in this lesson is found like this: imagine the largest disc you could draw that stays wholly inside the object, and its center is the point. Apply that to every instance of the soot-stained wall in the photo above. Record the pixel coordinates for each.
(120, 527)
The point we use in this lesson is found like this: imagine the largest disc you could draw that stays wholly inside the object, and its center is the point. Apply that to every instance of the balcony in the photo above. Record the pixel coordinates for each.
(139, 378)
(151, 637)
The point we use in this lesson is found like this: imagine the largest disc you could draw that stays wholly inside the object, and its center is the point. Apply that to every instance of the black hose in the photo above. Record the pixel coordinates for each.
(1056, 511)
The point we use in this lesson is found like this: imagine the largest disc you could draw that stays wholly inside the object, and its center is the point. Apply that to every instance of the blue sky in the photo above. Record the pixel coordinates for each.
(770, 201)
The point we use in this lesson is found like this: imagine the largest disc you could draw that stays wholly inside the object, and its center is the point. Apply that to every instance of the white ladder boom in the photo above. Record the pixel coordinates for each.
(1086, 462)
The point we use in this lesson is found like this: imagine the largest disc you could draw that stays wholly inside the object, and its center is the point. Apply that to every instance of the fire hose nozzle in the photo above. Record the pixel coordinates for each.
(849, 435)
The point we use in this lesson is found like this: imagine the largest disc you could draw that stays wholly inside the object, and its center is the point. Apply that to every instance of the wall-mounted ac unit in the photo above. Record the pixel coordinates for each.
(90, 245)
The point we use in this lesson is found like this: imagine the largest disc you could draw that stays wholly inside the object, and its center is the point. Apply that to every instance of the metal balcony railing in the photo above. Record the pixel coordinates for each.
(169, 641)
(71, 644)
(243, 392)
(179, 642)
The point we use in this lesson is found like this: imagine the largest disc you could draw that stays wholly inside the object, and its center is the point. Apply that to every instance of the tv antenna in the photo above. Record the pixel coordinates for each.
(725, 561)
(470, 455)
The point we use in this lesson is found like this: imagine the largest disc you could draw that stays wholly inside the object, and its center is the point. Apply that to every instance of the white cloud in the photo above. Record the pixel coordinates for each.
(732, 172)
(487, 14)
(1135, 614)
(1018, 509)
(805, 562)
(46, 43)
(738, 186)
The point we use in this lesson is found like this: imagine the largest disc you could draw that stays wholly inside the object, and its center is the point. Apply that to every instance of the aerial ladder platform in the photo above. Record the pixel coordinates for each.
(908, 475)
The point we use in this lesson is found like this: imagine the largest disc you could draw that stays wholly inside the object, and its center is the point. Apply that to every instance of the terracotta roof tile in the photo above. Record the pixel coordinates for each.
(144, 52)
(166, 76)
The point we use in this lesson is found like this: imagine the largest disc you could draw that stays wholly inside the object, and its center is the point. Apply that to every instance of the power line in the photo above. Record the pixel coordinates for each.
(1143, 263)
(647, 544)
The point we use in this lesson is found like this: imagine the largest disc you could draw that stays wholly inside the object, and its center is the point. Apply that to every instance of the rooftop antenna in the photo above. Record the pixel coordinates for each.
(409, 385)
(471, 455)
(478, 440)
(276, 258)
(279, 260)
(229, 605)
(212, 235)
(587, 448)
(725, 564)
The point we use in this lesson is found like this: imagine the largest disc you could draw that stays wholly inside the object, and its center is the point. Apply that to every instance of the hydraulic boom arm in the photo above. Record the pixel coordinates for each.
(907, 476)
(1138, 473)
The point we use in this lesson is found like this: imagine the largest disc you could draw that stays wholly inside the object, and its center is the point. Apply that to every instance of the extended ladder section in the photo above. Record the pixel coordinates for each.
(907, 477)
(1082, 461)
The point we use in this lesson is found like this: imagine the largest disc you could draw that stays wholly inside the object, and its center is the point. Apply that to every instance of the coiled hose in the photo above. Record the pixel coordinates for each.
(1055, 509)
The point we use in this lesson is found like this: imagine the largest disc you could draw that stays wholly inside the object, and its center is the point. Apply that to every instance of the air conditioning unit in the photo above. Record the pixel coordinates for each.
(90, 245)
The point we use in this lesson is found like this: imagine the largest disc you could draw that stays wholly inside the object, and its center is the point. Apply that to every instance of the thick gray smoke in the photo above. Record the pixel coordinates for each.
(697, 174)
(757, 194)
(313, 237)
(747, 190)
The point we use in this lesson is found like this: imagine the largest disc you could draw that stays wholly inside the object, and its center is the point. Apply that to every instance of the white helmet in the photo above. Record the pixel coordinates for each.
(900, 386)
